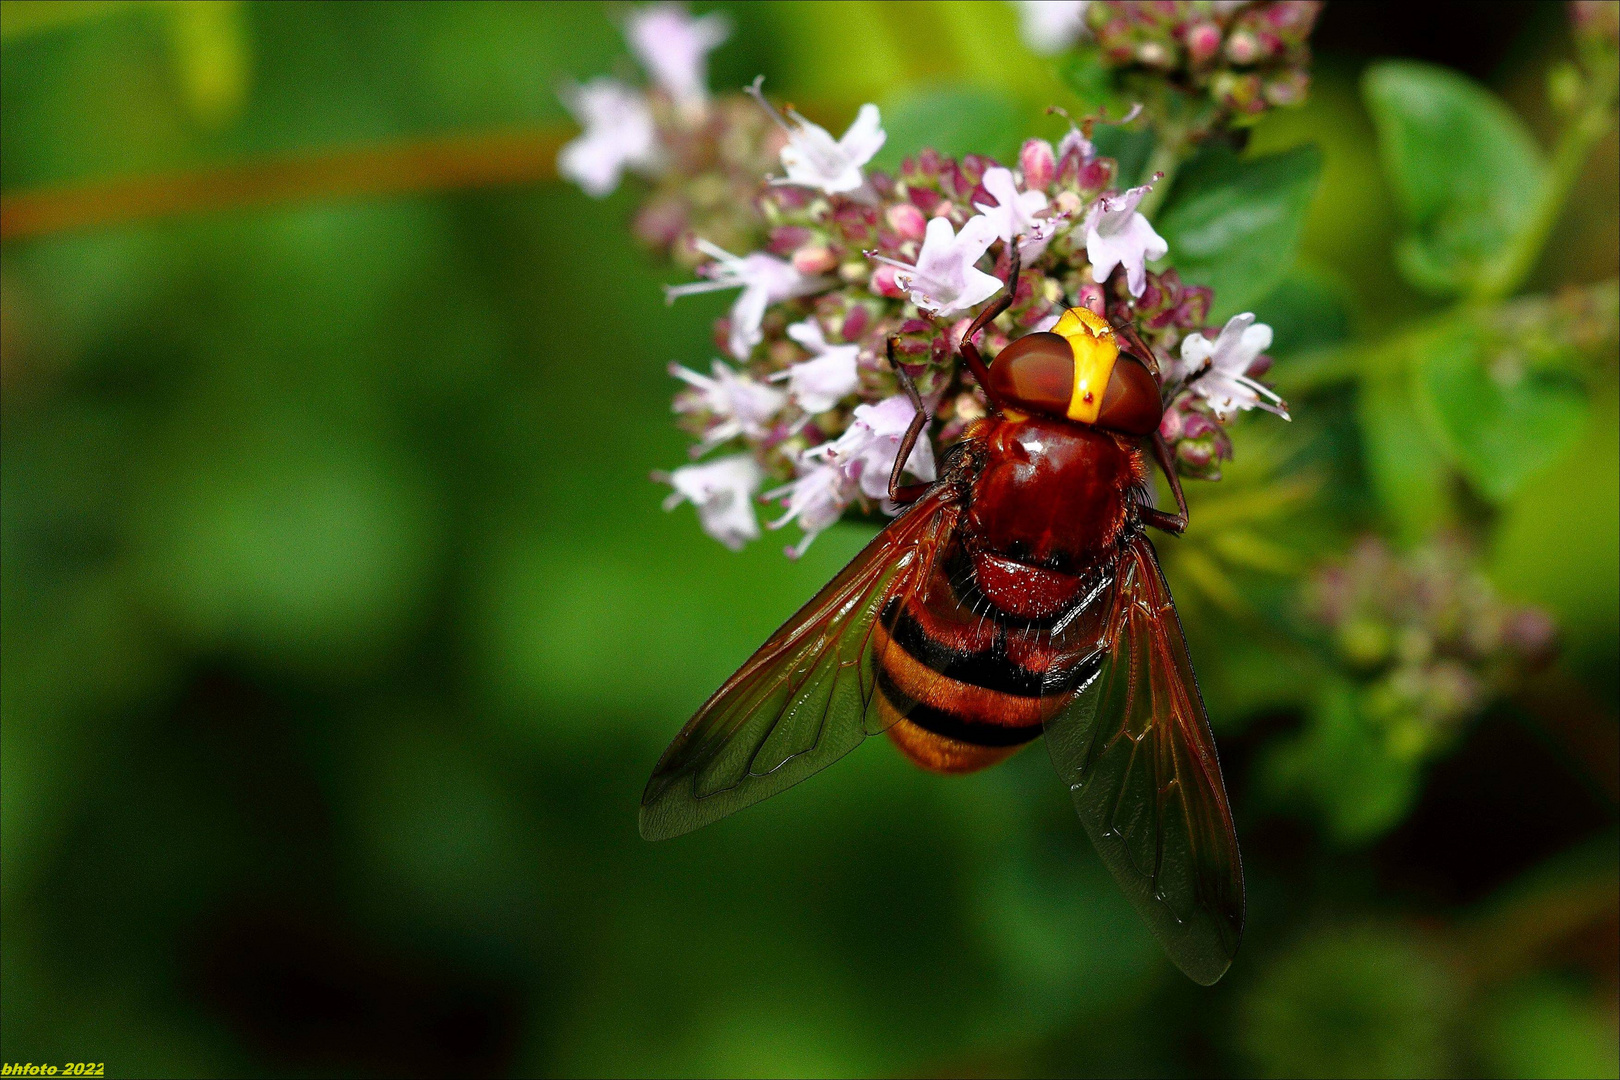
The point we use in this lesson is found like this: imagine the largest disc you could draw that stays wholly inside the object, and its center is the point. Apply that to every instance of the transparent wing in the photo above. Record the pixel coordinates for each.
(1136, 751)
(805, 699)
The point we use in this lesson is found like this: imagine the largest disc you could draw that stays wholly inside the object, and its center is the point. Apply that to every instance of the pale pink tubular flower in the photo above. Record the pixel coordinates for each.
(814, 159)
(815, 499)
(1117, 235)
(1075, 138)
(619, 135)
(764, 280)
(945, 279)
(1014, 213)
(867, 448)
(821, 382)
(723, 491)
(674, 48)
(1218, 369)
(1050, 26)
(739, 405)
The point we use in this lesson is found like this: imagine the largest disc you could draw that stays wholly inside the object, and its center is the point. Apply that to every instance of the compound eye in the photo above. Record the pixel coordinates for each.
(1131, 403)
(1036, 372)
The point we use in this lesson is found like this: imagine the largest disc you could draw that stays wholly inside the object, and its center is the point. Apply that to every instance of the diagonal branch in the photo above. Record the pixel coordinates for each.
(446, 163)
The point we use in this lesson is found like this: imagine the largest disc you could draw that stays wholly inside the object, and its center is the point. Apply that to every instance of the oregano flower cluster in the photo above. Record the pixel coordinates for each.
(802, 406)
(1428, 635)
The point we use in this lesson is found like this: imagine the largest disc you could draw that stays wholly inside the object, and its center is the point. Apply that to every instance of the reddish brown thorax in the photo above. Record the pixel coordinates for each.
(1052, 493)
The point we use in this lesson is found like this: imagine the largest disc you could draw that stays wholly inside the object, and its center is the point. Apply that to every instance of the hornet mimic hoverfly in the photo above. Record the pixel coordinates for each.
(1015, 596)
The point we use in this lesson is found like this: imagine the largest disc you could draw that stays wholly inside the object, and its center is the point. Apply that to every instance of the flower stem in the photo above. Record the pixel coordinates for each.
(1507, 273)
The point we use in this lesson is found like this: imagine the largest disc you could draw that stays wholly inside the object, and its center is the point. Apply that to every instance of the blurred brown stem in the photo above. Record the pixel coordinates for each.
(447, 163)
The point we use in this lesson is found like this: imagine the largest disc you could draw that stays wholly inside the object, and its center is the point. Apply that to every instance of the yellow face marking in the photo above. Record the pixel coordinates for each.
(1095, 350)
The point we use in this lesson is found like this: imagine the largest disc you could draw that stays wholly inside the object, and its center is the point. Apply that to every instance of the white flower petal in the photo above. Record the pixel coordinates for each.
(619, 134)
(820, 384)
(814, 159)
(1050, 26)
(765, 280)
(674, 49)
(737, 404)
(867, 449)
(1224, 363)
(1117, 235)
(816, 499)
(723, 491)
(828, 377)
(945, 279)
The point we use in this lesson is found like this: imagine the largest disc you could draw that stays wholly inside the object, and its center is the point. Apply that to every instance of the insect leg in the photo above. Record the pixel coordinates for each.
(1170, 523)
(1142, 349)
(898, 492)
(967, 350)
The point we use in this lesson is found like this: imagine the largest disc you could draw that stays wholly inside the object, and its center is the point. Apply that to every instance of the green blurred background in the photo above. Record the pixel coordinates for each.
(341, 626)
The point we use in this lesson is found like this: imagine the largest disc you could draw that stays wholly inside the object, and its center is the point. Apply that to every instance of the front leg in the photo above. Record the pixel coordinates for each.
(967, 350)
(898, 492)
(1175, 524)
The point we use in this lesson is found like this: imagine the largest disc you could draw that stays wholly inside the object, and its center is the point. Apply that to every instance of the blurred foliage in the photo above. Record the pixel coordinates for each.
(341, 626)
(1235, 222)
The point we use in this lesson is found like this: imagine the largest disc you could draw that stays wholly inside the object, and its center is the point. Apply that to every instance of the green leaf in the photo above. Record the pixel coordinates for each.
(1464, 167)
(1233, 224)
(1092, 80)
(1407, 469)
(1547, 1027)
(1340, 765)
(1365, 1000)
(1130, 149)
(954, 120)
(1306, 312)
(1502, 412)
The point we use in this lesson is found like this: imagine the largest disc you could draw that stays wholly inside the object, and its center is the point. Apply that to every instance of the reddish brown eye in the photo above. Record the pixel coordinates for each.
(1036, 372)
(1131, 404)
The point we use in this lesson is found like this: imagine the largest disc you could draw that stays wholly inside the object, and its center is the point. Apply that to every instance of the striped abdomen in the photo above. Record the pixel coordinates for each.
(963, 680)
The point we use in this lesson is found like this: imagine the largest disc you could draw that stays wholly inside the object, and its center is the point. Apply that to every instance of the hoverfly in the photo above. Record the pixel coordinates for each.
(1017, 595)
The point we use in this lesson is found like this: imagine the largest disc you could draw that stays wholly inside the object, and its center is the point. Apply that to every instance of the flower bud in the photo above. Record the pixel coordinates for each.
(1288, 89)
(1532, 634)
(884, 284)
(1155, 54)
(1240, 93)
(1200, 444)
(1363, 642)
(855, 323)
(1452, 692)
(1091, 298)
(1172, 426)
(907, 221)
(1203, 42)
(814, 259)
(1198, 425)
(1039, 164)
(1096, 174)
(974, 166)
(1597, 21)
(1243, 47)
(660, 223)
(786, 239)
(1291, 20)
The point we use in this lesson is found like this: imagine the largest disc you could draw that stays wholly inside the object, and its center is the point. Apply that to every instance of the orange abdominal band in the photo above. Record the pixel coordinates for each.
(1095, 351)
